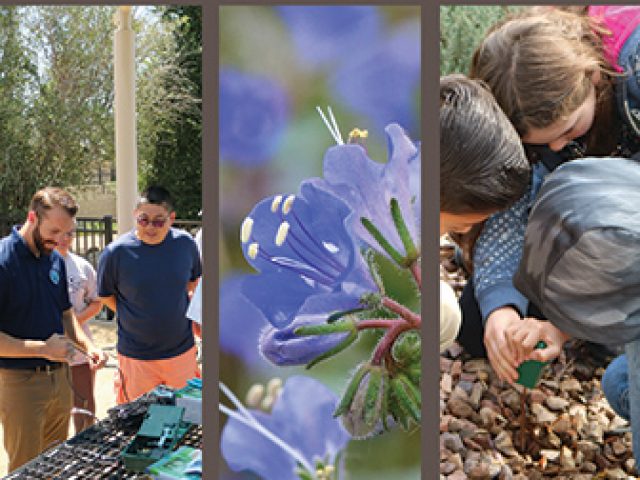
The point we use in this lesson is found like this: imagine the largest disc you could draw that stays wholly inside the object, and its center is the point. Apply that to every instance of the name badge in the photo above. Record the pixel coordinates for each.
(54, 276)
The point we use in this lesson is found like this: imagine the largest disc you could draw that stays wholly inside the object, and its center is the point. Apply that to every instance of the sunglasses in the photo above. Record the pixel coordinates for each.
(157, 223)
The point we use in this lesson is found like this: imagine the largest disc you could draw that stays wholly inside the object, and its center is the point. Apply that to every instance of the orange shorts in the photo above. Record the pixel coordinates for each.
(137, 377)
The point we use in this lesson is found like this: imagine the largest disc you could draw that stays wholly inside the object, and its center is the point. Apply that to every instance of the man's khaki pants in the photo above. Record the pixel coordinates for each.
(35, 407)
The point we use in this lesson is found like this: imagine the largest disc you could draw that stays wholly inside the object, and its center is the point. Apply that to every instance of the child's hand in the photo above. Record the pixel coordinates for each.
(525, 335)
(501, 356)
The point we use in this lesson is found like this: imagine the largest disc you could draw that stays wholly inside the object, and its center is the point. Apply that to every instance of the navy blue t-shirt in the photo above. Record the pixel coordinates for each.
(150, 286)
(33, 295)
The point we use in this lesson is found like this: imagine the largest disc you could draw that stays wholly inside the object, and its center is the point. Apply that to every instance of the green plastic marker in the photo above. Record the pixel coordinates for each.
(529, 371)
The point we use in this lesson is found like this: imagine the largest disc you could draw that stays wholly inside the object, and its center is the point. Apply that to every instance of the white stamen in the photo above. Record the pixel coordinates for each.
(335, 125)
(335, 135)
(276, 203)
(273, 385)
(249, 420)
(330, 247)
(281, 236)
(252, 251)
(267, 403)
(288, 204)
(245, 229)
(254, 395)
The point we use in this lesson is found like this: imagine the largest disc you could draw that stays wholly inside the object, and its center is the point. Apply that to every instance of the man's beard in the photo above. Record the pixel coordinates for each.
(40, 243)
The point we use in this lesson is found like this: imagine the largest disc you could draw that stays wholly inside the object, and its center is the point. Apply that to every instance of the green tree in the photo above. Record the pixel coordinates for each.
(72, 113)
(462, 28)
(171, 92)
(17, 78)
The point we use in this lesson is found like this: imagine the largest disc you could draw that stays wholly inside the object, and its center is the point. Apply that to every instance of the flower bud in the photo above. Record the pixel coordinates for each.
(364, 402)
(407, 353)
(405, 401)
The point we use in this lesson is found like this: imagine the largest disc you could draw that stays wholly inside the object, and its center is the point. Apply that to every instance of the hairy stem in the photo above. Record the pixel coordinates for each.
(386, 342)
(411, 317)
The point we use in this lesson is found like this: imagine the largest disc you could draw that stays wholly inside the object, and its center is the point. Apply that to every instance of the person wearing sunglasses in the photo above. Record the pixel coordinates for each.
(147, 276)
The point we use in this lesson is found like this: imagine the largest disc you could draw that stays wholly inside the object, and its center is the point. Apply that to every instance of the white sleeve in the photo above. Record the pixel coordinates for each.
(194, 312)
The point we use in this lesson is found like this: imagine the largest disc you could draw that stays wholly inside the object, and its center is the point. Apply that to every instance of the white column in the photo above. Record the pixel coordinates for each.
(124, 73)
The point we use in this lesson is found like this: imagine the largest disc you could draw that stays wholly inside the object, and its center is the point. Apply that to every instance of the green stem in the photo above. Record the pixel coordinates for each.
(403, 231)
(412, 318)
(386, 342)
(386, 246)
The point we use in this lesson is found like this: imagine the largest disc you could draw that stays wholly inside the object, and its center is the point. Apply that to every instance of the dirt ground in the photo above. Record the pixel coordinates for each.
(104, 335)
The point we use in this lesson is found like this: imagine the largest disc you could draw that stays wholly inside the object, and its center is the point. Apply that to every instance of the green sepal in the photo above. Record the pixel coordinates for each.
(403, 232)
(374, 268)
(372, 399)
(383, 242)
(338, 315)
(325, 328)
(408, 398)
(351, 390)
(353, 334)
(385, 402)
(407, 349)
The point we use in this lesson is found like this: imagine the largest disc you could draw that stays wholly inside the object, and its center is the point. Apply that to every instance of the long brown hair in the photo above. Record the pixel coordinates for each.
(541, 64)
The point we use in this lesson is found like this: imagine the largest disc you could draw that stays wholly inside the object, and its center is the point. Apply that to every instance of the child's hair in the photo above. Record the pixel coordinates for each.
(540, 64)
(483, 167)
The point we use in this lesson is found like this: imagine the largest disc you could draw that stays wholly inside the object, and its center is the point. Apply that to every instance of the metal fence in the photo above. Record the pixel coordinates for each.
(95, 233)
(92, 235)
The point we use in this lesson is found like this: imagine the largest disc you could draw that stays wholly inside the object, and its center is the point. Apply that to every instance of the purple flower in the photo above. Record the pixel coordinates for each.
(368, 187)
(283, 347)
(240, 322)
(307, 259)
(382, 82)
(254, 111)
(326, 34)
(303, 425)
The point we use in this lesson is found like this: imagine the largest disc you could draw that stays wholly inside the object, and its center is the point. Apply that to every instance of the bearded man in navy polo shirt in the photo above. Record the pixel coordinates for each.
(38, 330)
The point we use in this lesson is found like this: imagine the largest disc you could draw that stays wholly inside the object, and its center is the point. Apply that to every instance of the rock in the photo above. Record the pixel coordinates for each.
(630, 464)
(504, 443)
(570, 385)
(542, 414)
(588, 449)
(562, 424)
(460, 408)
(536, 396)
(511, 399)
(566, 459)
(615, 474)
(505, 473)
(589, 467)
(553, 439)
(618, 447)
(446, 383)
(452, 442)
(445, 420)
(458, 475)
(456, 368)
(477, 365)
(556, 403)
(445, 364)
(593, 431)
(476, 395)
(447, 468)
(550, 455)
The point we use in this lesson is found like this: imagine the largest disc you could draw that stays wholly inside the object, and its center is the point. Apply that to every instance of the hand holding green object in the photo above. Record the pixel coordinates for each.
(529, 371)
